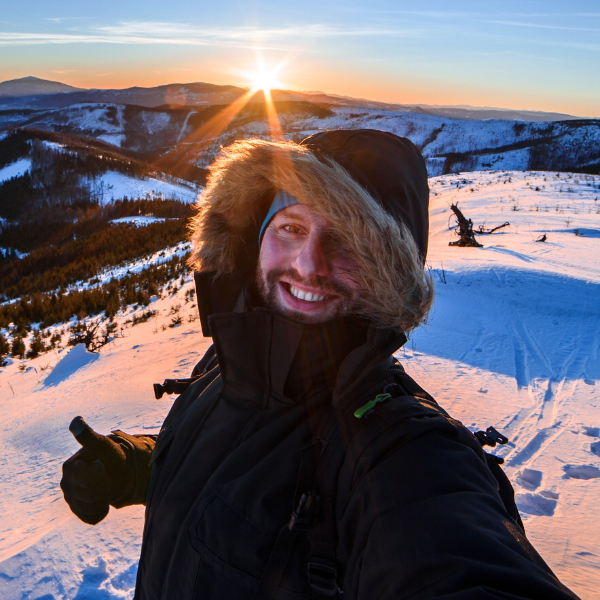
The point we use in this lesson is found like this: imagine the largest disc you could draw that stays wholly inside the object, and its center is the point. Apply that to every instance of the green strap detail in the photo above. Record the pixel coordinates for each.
(370, 405)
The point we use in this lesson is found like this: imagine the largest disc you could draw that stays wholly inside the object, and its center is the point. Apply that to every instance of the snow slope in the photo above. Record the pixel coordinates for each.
(15, 169)
(113, 185)
(139, 221)
(448, 143)
(513, 341)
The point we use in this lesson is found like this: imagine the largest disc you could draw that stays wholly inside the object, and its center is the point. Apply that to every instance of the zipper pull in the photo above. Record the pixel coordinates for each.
(370, 405)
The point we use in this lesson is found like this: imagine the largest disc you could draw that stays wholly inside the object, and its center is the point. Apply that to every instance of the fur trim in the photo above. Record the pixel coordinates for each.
(395, 291)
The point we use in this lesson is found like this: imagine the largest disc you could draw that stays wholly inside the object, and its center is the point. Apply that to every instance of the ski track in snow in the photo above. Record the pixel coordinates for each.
(513, 341)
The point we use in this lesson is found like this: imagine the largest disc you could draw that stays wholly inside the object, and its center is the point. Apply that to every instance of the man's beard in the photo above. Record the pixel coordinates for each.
(267, 288)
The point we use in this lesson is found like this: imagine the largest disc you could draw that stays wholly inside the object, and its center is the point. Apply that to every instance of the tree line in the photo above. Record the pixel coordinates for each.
(62, 252)
(45, 310)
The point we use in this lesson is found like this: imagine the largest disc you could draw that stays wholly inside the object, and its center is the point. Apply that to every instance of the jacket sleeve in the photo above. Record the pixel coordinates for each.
(138, 451)
(426, 521)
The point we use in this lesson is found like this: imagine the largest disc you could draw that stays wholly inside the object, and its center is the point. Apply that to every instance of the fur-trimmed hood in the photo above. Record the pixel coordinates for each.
(394, 290)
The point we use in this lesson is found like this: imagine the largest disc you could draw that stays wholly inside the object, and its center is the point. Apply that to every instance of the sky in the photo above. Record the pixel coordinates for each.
(527, 54)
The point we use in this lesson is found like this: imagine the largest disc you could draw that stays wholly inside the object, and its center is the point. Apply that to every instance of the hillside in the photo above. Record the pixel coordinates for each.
(512, 341)
(192, 94)
(180, 140)
(70, 207)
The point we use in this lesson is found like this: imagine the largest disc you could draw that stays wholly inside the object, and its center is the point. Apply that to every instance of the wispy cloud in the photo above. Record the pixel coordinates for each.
(543, 26)
(153, 32)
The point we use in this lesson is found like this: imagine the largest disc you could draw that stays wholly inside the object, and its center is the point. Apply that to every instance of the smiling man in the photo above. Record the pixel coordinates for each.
(301, 274)
(302, 461)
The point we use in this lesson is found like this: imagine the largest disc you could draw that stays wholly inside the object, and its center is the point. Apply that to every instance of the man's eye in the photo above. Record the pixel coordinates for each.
(292, 229)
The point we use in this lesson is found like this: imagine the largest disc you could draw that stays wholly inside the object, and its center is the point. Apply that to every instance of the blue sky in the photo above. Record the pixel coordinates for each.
(528, 54)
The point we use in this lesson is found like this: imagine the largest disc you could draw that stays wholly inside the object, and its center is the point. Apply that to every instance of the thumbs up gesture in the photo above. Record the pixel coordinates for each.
(95, 476)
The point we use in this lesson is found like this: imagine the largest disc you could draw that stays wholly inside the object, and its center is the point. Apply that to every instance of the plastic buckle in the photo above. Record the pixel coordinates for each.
(322, 578)
(160, 389)
(303, 517)
(485, 439)
(491, 437)
(496, 436)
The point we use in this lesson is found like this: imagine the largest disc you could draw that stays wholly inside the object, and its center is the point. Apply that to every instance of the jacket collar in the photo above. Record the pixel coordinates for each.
(256, 349)
(258, 354)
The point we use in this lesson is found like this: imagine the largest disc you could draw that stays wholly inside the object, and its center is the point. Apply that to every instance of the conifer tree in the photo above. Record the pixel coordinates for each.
(4, 348)
(18, 347)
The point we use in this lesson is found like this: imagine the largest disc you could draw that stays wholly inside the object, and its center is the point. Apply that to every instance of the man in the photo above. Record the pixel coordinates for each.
(301, 461)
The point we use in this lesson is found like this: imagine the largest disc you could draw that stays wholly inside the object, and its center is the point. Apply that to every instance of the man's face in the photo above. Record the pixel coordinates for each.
(302, 272)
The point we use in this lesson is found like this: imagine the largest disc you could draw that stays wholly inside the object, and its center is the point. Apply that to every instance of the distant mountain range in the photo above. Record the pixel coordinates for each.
(33, 86)
(182, 139)
(34, 93)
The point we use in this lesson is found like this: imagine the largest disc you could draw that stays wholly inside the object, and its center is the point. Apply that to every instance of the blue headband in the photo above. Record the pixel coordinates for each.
(282, 200)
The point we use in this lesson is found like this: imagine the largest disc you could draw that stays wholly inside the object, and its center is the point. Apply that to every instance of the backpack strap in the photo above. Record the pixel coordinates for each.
(346, 440)
(353, 439)
(316, 489)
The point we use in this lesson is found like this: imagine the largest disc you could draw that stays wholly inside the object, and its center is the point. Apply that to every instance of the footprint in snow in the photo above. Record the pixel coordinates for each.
(581, 471)
(536, 504)
(530, 479)
(126, 579)
(595, 448)
(591, 431)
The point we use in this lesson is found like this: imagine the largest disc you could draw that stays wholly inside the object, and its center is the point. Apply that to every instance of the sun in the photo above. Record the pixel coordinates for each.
(265, 79)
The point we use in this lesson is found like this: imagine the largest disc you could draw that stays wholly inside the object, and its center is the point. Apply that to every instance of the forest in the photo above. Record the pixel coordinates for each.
(59, 178)
(43, 310)
(72, 245)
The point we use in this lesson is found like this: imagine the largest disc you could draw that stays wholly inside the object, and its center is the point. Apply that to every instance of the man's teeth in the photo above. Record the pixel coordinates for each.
(307, 296)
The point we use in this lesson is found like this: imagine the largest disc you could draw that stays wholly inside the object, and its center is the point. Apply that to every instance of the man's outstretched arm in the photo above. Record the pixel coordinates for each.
(111, 470)
(427, 522)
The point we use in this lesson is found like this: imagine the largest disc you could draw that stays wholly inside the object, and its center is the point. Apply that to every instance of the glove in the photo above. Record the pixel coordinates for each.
(108, 471)
(93, 476)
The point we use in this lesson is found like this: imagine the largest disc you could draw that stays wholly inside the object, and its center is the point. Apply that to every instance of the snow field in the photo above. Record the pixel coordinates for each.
(15, 169)
(139, 221)
(45, 550)
(513, 341)
(113, 185)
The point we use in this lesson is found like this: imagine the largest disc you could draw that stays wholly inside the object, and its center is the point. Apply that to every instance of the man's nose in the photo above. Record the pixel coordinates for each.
(311, 259)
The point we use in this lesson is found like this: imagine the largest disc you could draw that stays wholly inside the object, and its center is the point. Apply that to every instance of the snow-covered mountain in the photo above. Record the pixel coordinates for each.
(448, 144)
(46, 169)
(512, 341)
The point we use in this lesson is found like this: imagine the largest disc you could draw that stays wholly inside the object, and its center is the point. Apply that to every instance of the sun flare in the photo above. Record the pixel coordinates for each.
(265, 79)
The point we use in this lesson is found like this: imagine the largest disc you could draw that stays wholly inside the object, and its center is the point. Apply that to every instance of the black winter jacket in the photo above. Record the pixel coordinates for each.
(417, 511)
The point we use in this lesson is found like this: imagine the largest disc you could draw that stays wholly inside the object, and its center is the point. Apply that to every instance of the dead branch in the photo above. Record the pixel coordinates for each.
(483, 230)
(466, 236)
(92, 335)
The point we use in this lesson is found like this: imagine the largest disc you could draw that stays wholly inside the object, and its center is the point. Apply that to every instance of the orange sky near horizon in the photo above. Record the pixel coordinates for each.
(517, 54)
(393, 90)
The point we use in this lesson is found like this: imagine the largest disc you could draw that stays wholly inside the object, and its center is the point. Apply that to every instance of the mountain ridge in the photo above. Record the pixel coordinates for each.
(27, 86)
(203, 94)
